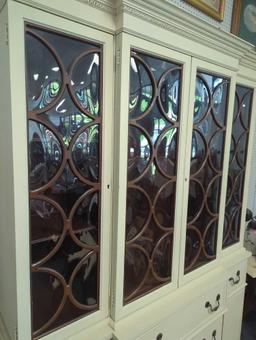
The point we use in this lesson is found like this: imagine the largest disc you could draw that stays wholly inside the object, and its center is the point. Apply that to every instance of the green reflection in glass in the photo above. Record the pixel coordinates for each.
(87, 100)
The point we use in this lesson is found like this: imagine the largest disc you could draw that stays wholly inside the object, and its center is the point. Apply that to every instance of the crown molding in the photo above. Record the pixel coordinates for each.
(171, 18)
(160, 13)
(249, 60)
(77, 11)
(103, 5)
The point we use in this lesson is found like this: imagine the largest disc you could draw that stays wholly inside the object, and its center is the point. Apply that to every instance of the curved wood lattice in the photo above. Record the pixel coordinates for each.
(208, 138)
(154, 112)
(64, 125)
(237, 165)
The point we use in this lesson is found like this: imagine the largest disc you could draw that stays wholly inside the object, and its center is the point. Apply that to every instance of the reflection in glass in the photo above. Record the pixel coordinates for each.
(202, 99)
(162, 261)
(141, 88)
(136, 267)
(137, 212)
(166, 152)
(66, 190)
(64, 142)
(85, 221)
(237, 165)
(45, 304)
(45, 155)
(43, 74)
(193, 246)
(85, 82)
(66, 118)
(165, 206)
(198, 151)
(219, 101)
(216, 144)
(169, 93)
(46, 228)
(85, 153)
(195, 199)
(210, 239)
(154, 111)
(207, 149)
(138, 152)
(83, 286)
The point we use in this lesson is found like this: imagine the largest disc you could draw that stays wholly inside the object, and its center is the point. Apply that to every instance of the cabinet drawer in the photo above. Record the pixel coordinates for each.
(204, 308)
(236, 277)
(233, 317)
(212, 331)
(201, 310)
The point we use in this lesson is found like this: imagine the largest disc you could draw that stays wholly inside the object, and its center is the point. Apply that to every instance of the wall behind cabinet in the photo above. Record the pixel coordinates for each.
(225, 24)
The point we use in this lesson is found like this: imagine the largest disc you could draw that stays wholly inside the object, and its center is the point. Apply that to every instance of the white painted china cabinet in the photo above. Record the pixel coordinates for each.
(125, 140)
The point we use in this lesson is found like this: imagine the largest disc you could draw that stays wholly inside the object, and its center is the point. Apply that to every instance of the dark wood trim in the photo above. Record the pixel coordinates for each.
(236, 16)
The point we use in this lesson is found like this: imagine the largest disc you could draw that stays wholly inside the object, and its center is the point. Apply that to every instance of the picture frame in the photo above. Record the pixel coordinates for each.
(213, 8)
(244, 20)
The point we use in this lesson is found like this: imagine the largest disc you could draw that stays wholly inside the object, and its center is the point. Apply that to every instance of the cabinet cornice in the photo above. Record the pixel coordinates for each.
(104, 5)
(161, 14)
(173, 19)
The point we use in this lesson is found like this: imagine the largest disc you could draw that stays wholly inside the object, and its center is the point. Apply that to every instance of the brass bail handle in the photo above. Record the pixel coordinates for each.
(235, 281)
(209, 306)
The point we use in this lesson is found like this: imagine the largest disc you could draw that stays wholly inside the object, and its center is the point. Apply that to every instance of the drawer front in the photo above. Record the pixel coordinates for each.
(212, 331)
(236, 277)
(205, 308)
(233, 317)
(202, 310)
(155, 334)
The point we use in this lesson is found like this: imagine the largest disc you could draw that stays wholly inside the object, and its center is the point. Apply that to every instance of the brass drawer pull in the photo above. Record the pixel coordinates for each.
(209, 306)
(233, 281)
(160, 336)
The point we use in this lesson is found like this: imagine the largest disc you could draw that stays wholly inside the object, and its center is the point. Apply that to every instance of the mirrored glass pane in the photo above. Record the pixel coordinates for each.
(206, 166)
(169, 87)
(86, 219)
(45, 155)
(64, 143)
(66, 118)
(47, 226)
(85, 82)
(154, 112)
(139, 152)
(44, 78)
(85, 153)
(141, 87)
(47, 303)
(237, 165)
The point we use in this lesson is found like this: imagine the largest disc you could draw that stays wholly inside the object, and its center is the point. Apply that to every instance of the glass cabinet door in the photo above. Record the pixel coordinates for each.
(237, 165)
(64, 111)
(206, 169)
(154, 122)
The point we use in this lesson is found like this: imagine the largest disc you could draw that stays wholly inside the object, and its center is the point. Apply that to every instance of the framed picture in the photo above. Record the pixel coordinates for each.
(244, 20)
(213, 8)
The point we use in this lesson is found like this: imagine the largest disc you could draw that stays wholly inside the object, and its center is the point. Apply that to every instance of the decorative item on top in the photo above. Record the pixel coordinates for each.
(244, 20)
(213, 8)
(250, 233)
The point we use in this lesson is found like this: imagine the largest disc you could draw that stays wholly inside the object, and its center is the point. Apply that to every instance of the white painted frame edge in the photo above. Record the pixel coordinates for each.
(250, 84)
(206, 67)
(125, 43)
(18, 14)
